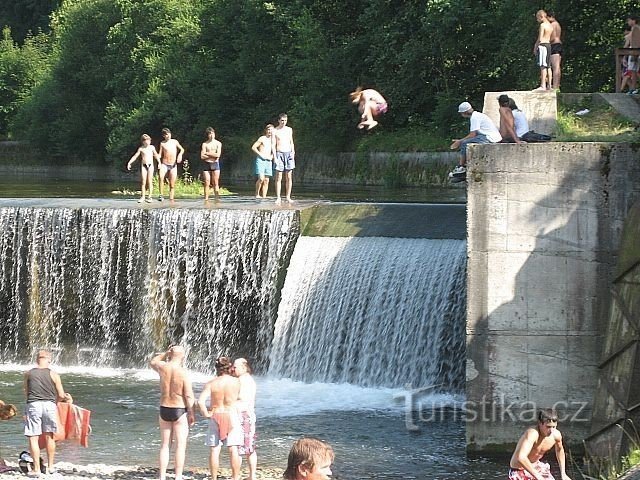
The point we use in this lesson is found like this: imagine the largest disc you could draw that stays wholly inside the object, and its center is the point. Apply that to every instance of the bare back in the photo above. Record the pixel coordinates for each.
(174, 386)
(223, 391)
(374, 95)
(544, 34)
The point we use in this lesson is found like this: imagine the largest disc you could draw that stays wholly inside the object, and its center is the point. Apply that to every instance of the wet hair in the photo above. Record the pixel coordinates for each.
(307, 451)
(267, 127)
(209, 130)
(43, 354)
(512, 104)
(281, 116)
(547, 415)
(354, 96)
(224, 365)
(551, 14)
(7, 411)
(503, 100)
(166, 130)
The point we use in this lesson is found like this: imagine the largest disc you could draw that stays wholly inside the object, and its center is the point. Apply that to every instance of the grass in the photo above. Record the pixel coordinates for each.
(601, 124)
(186, 187)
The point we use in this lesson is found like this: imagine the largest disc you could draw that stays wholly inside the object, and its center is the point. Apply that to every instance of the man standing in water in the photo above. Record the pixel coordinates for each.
(533, 444)
(285, 156)
(247, 411)
(176, 407)
(43, 388)
(170, 155)
(224, 423)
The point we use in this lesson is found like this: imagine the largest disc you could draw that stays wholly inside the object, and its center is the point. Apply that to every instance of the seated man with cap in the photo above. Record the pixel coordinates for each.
(481, 130)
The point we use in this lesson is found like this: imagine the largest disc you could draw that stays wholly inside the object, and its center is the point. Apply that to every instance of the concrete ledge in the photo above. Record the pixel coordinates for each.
(544, 225)
(540, 108)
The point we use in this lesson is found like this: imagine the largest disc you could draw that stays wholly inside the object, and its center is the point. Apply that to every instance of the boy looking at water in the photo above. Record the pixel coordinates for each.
(210, 154)
(170, 155)
(264, 150)
(533, 444)
(147, 153)
(309, 459)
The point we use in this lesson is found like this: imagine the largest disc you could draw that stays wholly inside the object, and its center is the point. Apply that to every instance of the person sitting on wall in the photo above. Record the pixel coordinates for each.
(526, 461)
(507, 121)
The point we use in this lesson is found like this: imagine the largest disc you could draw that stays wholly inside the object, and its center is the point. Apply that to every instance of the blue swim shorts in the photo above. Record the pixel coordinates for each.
(264, 167)
(284, 161)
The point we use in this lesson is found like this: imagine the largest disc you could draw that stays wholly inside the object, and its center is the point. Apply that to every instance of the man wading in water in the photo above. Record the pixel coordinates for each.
(176, 407)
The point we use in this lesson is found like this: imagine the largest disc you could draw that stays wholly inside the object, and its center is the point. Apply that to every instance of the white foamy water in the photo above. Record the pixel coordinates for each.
(277, 397)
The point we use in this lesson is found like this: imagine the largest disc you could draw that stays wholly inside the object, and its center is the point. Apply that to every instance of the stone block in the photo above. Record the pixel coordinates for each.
(540, 108)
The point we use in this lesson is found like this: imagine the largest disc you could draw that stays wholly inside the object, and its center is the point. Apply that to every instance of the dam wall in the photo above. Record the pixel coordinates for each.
(544, 223)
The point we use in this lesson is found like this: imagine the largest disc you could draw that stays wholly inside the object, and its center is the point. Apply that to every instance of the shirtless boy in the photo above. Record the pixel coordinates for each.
(147, 153)
(371, 104)
(176, 407)
(264, 149)
(533, 444)
(284, 159)
(309, 459)
(247, 411)
(507, 121)
(542, 50)
(210, 154)
(224, 422)
(556, 49)
(170, 155)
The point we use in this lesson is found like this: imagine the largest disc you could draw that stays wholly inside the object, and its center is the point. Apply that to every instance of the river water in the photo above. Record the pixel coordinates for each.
(366, 426)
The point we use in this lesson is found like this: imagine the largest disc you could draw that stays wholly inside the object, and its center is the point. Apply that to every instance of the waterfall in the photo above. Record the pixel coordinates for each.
(111, 286)
(373, 311)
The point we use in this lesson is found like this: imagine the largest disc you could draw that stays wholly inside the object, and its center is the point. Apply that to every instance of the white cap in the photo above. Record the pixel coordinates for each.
(464, 107)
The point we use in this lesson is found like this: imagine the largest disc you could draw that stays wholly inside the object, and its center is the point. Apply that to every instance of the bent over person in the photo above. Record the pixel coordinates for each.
(526, 461)
(43, 388)
(176, 407)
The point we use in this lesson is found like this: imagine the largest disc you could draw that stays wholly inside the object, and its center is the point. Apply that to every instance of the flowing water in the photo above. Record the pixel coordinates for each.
(339, 328)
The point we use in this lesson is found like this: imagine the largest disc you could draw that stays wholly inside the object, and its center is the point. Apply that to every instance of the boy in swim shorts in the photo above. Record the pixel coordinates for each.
(147, 153)
(264, 150)
(210, 154)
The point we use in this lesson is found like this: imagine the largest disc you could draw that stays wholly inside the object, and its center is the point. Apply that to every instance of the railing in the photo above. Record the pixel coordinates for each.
(620, 53)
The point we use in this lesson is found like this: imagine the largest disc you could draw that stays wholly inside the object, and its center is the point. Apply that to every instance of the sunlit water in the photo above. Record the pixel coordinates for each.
(366, 426)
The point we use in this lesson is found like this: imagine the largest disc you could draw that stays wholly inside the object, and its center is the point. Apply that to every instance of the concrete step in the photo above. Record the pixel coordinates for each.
(625, 105)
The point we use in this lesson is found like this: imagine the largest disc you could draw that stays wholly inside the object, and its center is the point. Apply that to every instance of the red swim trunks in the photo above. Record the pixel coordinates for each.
(381, 108)
(522, 474)
(248, 422)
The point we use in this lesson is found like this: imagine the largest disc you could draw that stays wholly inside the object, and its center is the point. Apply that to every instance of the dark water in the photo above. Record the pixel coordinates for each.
(366, 426)
(20, 187)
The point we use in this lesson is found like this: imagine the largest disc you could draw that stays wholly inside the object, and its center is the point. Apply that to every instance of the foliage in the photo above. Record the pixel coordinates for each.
(27, 17)
(117, 68)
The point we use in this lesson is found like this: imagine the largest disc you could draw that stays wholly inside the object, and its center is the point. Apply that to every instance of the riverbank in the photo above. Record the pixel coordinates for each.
(71, 471)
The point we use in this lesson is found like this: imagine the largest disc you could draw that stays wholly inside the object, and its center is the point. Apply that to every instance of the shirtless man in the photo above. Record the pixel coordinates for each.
(284, 156)
(247, 410)
(210, 154)
(264, 149)
(224, 423)
(556, 49)
(533, 444)
(542, 50)
(170, 155)
(371, 104)
(176, 407)
(507, 121)
(147, 153)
